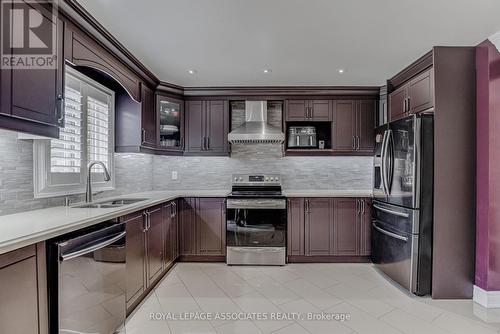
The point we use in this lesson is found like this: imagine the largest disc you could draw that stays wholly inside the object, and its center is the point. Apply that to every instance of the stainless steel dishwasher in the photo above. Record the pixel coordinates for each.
(87, 281)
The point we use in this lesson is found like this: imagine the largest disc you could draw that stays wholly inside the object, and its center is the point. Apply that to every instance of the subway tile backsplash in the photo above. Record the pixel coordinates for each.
(141, 172)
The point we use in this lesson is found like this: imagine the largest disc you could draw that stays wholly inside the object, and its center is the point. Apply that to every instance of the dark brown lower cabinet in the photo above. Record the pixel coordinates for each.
(155, 243)
(23, 292)
(150, 249)
(318, 226)
(336, 229)
(136, 257)
(202, 228)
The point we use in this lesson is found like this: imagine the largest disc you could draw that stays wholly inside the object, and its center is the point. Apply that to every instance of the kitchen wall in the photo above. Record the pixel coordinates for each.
(340, 173)
(142, 172)
(132, 174)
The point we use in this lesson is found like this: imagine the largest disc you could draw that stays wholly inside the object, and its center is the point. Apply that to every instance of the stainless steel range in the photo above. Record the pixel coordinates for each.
(256, 220)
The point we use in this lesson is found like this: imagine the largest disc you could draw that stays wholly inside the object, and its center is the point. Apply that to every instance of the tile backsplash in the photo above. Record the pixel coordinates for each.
(142, 172)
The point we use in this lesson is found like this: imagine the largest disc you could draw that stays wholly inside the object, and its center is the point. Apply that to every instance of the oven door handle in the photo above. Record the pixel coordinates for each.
(92, 247)
(256, 204)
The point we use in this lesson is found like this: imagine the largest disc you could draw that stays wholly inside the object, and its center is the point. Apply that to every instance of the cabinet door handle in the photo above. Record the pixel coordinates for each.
(208, 143)
(362, 206)
(61, 118)
(357, 143)
(143, 135)
(404, 105)
(310, 112)
(354, 143)
(204, 143)
(145, 222)
(182, 143)
(408, 103)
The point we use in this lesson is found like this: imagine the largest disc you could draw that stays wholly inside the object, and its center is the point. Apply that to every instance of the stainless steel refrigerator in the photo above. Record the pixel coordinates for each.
(403, 199)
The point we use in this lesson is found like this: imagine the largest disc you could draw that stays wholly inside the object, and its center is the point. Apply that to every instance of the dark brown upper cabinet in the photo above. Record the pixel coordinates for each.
(170, 123)
(353, 126)
(308, 110)
(81, 49)
(148, 118)
(207, 126)
(414, 96)
(32, 100)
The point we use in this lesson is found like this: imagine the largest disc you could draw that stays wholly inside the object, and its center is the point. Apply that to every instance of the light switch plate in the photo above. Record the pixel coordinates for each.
(174, 175)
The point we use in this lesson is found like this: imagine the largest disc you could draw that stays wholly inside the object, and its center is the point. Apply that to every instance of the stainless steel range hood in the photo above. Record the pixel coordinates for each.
(255, 130)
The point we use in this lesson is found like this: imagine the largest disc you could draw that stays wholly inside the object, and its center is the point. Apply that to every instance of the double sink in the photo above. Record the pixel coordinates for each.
(109, 204)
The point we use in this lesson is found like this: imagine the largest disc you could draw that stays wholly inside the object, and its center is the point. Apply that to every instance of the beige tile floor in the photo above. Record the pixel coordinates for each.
(373, 304)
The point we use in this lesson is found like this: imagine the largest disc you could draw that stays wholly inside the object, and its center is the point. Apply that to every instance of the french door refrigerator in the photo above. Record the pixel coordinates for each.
(403, 197)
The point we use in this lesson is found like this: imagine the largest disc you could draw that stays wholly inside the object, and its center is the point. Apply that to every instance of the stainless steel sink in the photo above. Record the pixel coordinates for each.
(112, 203)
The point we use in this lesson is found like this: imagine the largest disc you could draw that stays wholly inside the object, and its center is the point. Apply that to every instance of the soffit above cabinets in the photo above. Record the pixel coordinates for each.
(232, 42)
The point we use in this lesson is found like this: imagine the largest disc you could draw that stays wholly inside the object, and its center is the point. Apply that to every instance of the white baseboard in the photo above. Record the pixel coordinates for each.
(488, 299)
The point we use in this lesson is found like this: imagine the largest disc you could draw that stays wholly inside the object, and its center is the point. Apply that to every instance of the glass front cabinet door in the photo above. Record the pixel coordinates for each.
(170, 123)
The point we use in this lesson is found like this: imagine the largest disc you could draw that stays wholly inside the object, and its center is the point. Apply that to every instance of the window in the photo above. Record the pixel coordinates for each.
(60, 165)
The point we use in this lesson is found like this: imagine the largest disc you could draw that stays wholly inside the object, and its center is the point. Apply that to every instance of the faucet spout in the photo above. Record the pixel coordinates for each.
(107, 177)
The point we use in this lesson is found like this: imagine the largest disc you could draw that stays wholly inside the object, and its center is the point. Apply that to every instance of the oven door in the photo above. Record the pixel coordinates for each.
(256, 222)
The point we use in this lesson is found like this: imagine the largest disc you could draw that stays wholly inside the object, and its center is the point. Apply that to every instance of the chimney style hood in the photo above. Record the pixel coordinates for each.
(255, 130)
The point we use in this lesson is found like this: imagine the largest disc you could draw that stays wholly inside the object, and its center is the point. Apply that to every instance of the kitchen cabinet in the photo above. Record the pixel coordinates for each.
(23, 306)
(170, 233)
(318, 226)
(365, 217)
(187, 220)
(335, 229)
(414, 96)
(202, 227)
(32, 100)
(170, 123)
(207, 126)
(155, 243)
(148, 118)
(346, 227)
(211, 226)
(135, 257)
(295, 227)
(308, 110)
(353, 126)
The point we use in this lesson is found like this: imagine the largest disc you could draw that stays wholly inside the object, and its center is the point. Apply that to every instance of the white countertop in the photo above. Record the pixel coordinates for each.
(327, 193)
(26, 228)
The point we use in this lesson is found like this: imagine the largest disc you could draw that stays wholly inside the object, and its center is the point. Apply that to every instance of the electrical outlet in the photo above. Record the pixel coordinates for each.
(174, 175)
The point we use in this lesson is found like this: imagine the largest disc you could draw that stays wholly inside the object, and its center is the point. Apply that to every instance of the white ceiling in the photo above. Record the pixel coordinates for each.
(304, 42)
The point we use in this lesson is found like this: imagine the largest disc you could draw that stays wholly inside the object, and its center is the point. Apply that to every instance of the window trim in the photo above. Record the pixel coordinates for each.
(41, 155)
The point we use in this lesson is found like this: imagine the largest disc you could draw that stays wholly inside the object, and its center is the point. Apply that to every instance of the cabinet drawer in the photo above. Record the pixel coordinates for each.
(17, 255)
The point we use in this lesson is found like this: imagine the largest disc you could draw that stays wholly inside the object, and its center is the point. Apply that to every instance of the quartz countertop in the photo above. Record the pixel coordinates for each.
(26, 228)
(327, 193)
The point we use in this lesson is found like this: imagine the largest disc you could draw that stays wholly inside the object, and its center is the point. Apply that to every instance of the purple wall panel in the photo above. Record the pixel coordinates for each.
(488, 167)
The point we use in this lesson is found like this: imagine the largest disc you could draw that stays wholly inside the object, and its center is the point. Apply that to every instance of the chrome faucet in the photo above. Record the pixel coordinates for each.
(88, 194)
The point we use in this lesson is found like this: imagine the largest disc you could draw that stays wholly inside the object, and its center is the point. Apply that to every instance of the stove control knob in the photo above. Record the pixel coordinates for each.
(236, 179)
(271, 179)
(240, 179)
(276, 179)
(267, 179)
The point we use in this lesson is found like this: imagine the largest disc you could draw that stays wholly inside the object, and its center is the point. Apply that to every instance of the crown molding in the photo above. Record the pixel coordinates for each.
(495, 39)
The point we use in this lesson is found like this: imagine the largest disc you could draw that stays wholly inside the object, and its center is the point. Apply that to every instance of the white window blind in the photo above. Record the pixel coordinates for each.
(60, 166)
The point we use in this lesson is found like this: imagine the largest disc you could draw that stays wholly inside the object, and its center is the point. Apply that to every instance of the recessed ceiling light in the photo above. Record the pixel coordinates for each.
(267, 70)
(341, 70)
(192, 71)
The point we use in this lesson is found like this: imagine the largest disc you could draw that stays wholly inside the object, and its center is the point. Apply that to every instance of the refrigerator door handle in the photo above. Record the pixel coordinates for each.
(390, 152)
(392, 212)
(383, 166)
(390, 234)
